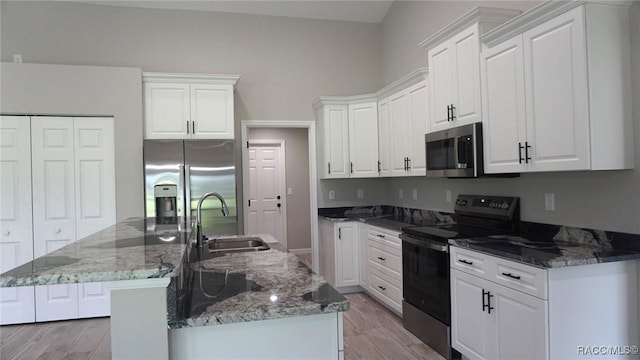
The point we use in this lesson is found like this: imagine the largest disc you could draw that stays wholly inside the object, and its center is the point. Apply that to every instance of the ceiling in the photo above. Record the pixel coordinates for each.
(368, 11)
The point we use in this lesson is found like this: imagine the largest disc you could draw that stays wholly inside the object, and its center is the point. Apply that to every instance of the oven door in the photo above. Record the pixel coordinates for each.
(425, 277)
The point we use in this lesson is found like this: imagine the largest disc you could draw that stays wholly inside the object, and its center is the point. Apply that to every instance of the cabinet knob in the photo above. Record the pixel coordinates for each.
(7, 233)
(58, 231)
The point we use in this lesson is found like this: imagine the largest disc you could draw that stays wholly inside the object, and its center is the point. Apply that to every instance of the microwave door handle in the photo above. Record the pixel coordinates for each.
(456, 151)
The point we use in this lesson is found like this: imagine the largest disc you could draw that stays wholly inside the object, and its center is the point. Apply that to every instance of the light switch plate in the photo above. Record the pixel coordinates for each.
(447, 195)
(414, 194)
(400, 194)
(289, 191)
(360, 194)
(332, 195)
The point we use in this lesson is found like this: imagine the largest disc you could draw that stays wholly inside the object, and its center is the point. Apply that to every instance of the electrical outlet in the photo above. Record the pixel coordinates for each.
(332, 195)
(400, 194)
(289, 191)
(447, 195)
(549, 202)
(17, 58)
(415, 194)
(360, 194)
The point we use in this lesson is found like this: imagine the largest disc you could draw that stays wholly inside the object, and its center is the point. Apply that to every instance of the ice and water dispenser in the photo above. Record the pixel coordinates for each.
(166, 203)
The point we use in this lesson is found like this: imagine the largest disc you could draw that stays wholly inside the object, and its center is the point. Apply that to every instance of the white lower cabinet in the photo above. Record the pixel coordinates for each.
(384, 250)
(491, 321)
(502, 309)
(70, 183)
(339, 253)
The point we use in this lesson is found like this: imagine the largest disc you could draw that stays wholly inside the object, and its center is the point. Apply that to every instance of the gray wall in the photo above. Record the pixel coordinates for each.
(86, 90)
(285, 63)
(297, 177)
(608, 200)
(408, 23)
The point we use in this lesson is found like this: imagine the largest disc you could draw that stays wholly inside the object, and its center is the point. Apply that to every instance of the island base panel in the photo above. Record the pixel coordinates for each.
(139, 320)
(302, 337)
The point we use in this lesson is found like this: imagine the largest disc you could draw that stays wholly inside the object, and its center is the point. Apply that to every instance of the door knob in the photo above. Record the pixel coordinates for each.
(278, 197)
(279, 205)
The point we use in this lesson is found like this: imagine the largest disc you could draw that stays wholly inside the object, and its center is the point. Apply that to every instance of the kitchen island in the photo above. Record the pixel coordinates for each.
(168, 301)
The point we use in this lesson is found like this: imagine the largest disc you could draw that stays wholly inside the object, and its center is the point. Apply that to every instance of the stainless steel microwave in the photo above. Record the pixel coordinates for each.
(455, 152)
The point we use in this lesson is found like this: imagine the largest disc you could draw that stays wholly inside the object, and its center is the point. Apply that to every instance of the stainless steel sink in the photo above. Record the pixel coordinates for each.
(235, 244)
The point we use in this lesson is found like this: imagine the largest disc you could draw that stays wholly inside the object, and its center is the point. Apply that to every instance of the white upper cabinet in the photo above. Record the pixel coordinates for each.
(454, 67)
(363, 139)
(556, 91)
(403, 119)
(189, 106)
(348, 136)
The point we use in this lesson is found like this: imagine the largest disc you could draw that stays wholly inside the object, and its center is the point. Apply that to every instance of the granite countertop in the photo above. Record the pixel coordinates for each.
(546, 253)
(132, 249)
(251, 286)
(398, 219)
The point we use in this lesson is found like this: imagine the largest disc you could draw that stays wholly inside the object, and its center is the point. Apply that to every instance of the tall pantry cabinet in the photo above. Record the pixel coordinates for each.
(56, 190)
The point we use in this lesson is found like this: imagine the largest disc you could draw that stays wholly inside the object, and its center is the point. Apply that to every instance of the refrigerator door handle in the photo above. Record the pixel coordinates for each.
(187, 191)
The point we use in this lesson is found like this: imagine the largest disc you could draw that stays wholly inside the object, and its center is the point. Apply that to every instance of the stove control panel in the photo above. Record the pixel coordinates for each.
(486, 205)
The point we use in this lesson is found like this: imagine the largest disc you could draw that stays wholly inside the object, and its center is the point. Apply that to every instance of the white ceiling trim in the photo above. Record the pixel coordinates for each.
(367, 11)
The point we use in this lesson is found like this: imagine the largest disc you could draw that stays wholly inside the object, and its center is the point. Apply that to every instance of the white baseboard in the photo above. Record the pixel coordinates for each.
(300, 251)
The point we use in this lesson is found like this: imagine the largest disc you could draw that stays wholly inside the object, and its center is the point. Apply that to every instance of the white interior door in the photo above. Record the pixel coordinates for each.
(267, 189)
(16, 237)
(54, 212)
(95, 198)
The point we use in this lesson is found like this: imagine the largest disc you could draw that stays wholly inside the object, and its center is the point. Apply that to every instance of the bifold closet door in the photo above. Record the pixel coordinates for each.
(95, 198)
(54, 212)
(16, 237)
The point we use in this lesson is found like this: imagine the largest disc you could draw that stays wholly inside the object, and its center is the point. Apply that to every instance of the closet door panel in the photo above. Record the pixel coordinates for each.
(95, 198)
(16, 237)
(52, 146)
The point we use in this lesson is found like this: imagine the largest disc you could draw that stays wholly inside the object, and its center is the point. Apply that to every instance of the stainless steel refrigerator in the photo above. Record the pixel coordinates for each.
(185, 170)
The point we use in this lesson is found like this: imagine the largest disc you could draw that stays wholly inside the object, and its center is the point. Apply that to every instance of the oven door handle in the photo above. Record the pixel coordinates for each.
(424, 244)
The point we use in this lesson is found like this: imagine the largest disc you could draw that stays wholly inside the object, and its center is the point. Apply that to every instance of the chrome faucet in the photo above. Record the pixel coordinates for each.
(225, 212)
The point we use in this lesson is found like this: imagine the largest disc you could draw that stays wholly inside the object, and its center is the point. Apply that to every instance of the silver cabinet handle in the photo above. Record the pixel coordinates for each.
(58, 231)
(7, 233)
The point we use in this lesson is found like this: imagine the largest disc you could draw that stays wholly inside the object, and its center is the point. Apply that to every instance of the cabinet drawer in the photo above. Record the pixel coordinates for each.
(528, 279)
(469, 261)
(388, 237)
(387, 260)
(382, 288)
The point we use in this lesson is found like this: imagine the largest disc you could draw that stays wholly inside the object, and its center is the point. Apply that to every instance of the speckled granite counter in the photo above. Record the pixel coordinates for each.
(132, 249)
(387, 217)
(250, 286)
(567, 247)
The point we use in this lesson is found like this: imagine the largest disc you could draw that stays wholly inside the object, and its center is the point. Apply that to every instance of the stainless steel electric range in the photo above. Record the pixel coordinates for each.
(426, 306)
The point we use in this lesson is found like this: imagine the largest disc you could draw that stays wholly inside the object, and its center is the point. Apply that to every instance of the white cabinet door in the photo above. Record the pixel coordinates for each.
(336, 141)
(363, 256)
(556, 94)
(400, 134)
(363, 139)
(418, 122)
(212, 111)
(54, 215)
(347, 264)
(520, 323)
(466, 78)
(16, 237)
(470, 322)
(327, 248)
(95, 198)
(385, 141)
(167, 111)
(504, 123)
(441, 85)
